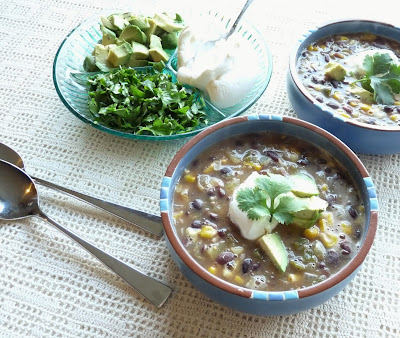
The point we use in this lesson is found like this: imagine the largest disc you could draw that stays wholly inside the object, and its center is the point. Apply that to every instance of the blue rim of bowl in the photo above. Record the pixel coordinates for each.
(348, 270)
(307, 94)
(170, 68)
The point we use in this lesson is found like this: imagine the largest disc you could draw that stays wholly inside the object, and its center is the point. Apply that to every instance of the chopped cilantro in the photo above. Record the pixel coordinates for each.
(271, 196)
(144, 103)
(382, 77)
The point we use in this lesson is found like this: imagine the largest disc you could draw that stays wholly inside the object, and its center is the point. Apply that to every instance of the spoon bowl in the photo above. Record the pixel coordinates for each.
(19, 199)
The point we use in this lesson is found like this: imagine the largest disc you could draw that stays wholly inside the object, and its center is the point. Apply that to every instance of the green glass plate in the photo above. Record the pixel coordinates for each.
(80, 43)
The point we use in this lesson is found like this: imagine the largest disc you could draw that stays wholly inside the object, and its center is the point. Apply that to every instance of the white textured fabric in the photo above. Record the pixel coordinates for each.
(50, 287)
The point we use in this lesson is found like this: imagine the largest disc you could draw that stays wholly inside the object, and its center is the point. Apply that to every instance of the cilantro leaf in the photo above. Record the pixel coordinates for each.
(274, 185)
(289, 204)
(253, 201)
(382, 77)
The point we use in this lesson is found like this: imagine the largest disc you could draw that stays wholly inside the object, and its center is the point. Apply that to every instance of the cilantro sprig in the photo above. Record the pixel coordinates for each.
(271, 197)
(382, 77)
(144, 103)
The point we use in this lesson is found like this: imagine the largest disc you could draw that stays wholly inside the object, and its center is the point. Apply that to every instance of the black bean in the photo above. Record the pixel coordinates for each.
(255, 266)
(196, 224)
(213, 216)
(314, 79)
(332, 257)
(342, 236)
(348, 109)
(332, 105)
(345, 246)
(246, 265)
(319, 99)
(273, 155)
(220, 191)
(225, 257)
(321, 161)
(303, 160)
(328, 170)
(388, 109)
(211, 192)
(225, 171)
(222, 232)
(398, 109)
(371, 121)
(327, 58)
(345, 252)
(195, 163)
(357, 235)
(352, 212)
(330, 198)
(198, 204)
(334, 83)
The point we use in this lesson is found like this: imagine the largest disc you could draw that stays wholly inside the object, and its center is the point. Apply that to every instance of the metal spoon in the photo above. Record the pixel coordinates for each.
(147, 222)
(19, 199)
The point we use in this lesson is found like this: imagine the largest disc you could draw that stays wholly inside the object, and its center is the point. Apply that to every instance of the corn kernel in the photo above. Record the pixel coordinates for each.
(329, 218)
(362, 208)
(346, 228)
(190, 178)
(337, 96)
(345, 115)
(212, 269)
(294, 277)
(322, 224)
(329, 240)
(368, 37)
(312, 48)
(255, 166)
(365, 107)
(209, 169)
(397, 103)
(312, 232)
(237, 250)
(178, 214)
(353, 103)
(395, 117)
(239, 280)
(207, 232)
(322, 46)
(343, 38)
(324, 187)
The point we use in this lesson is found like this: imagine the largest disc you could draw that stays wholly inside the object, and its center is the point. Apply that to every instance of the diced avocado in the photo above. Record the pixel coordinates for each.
(140, 52)
(140, 21)
(304, 185)
(335, 71)
(107, 23)
(120, 55)
(133, 33)
(118, 21)
(169, 40)
(307, 217)
(89, 64)
(275, 250)
(109, 36)
(153, 28)
(364, 94)
(158, 54)
(100, 53)
(155, 42)
(166, 23)
(137, 63)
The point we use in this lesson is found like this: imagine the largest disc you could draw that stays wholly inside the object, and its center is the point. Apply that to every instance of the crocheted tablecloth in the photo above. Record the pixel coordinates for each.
(50, 287)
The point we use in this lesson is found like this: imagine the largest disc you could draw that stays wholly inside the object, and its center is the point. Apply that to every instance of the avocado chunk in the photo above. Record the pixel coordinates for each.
(166, 23)
(335, 71)
(120, 55)
(307, 217)
(109, 36)
(100, 54)
(155, 42)
(153, 28)
(137, 63)
(89, 64)
(304, 186)
(133, 33)
(273, 246)
(364, 94)
(140, 21)
(107, 23)
(169, 40)
(158, 54)
(140, 52)
(118, 21)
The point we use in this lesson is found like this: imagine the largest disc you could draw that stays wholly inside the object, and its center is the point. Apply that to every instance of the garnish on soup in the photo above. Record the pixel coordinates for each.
(355, 75)
(268, 212)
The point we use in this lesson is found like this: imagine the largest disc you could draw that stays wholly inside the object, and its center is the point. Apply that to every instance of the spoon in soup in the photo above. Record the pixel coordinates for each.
(147, 222)
(19, 199)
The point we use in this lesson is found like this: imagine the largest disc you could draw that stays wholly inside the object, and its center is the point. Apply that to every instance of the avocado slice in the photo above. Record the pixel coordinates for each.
(133, 33)
(273, 246)
(153, 28)
(304, 186)
(140, 51)
(118, 21)
(109, 37)
(120, 55)
(155, 42)
(158, 54)
(307, 217)
(169, 40)
(166, 23)
(107, 23)
(89, 64)
(140, 21)
(364, 94)
(100, 54)
(335, 71)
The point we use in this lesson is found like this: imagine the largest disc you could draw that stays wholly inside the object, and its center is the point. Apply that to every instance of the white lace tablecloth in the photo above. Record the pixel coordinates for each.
(50, 287)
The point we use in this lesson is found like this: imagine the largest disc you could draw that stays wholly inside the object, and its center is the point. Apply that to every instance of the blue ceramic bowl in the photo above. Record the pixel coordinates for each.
(360, 137)
(264, 302)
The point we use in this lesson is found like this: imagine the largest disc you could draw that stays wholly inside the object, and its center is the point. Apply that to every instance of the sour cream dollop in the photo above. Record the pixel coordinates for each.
(356, 63)
(250, 229)
(225, 72)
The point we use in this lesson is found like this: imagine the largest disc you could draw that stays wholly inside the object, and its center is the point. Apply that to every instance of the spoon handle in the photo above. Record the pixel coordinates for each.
(246, 5)
(147, 222)
(153, 290)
